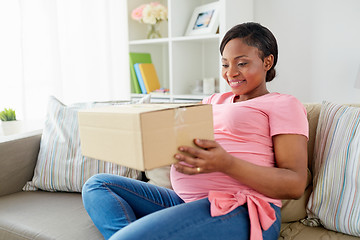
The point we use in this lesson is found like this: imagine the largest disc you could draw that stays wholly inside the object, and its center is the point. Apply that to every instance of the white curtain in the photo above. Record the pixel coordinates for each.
(75, 50)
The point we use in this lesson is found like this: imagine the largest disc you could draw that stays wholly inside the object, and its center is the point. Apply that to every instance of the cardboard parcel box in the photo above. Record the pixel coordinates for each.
(143, 136)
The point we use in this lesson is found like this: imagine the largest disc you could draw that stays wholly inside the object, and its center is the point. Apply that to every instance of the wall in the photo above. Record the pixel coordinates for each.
(319, 47)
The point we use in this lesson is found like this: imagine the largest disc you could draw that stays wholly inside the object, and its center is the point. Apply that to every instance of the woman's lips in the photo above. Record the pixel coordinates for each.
(236, 83)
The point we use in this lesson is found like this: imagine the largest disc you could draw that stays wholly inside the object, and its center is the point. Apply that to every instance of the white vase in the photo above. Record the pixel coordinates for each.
(11, 127)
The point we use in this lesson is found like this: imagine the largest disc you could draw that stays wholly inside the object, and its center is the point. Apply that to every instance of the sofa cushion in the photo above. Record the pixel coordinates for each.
(45, 215)
(313, 112)
(60, 165)
(293, 210)
(18, 159)
(298, 231)
(336, 166)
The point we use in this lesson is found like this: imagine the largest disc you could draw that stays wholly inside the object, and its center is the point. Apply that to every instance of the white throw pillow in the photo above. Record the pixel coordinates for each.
(335, 200)
(159, 176)
(60, 165)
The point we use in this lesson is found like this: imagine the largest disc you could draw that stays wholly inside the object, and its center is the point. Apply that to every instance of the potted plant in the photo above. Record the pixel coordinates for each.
(7, 114)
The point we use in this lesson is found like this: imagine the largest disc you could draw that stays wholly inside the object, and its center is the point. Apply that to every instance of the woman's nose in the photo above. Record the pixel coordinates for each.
(232, 71)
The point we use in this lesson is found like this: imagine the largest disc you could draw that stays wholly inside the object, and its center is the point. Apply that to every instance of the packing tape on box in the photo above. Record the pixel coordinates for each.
(179, 116)
(181, 133)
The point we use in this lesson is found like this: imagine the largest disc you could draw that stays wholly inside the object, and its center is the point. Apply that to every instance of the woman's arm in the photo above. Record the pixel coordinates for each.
(286, 180)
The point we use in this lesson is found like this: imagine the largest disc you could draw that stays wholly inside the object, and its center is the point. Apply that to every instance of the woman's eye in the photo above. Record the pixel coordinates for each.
(224, 65)
(242, 64)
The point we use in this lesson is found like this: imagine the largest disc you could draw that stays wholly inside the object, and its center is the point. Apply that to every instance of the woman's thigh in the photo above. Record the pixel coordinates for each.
(193, 221)
(142, 197)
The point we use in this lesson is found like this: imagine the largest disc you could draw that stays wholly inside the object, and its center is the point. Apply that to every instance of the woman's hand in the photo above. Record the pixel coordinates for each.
(209, 157)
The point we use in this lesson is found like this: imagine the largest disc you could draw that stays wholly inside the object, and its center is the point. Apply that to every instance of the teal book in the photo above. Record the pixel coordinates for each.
(140, 78)
(137, 58)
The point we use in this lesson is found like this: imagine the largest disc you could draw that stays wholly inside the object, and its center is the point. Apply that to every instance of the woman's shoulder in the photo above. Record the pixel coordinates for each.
(287, 115)
(283, 97)
(285, 102)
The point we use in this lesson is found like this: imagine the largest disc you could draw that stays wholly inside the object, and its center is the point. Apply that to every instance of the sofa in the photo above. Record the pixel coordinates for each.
(60, 215)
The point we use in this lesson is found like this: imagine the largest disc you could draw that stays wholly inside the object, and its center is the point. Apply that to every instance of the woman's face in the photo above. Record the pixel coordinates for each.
(244, 70)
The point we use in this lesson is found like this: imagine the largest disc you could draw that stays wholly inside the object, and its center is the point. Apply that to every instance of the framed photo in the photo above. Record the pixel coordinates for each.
(204, 20)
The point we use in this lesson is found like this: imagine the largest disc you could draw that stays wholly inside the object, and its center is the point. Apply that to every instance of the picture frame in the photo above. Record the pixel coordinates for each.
(204, 20)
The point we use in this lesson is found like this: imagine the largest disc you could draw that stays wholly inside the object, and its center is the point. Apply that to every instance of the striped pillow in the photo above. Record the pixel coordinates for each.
(335, 200)
(60, 165)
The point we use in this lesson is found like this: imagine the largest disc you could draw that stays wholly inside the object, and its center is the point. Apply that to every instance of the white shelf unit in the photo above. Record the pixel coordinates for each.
(180, 60)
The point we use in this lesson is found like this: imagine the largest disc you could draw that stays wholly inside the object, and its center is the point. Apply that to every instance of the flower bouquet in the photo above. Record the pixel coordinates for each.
(152, 14)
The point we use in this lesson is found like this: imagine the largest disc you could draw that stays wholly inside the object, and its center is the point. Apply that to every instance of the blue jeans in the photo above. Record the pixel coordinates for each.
(124, 208)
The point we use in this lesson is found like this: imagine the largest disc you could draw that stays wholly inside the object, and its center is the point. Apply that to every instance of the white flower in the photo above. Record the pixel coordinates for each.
(149, 15)
(160, 12)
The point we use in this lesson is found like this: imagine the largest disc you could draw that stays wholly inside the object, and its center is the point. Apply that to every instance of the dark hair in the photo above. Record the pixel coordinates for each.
(255, 35)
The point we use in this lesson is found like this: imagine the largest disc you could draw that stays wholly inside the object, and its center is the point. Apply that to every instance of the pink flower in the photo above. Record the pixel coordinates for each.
(136, 14)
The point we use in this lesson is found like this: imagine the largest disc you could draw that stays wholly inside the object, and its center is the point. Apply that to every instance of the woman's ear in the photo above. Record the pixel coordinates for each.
(268, 62)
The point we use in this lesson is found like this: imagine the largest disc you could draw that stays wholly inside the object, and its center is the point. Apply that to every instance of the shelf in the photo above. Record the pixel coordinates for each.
(190, 96)
(197, 38)
(154, 96)
(176, 39)
(149, 41)
(182, 62)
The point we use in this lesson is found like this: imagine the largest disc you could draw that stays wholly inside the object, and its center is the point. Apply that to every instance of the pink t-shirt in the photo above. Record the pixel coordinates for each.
(245, 130)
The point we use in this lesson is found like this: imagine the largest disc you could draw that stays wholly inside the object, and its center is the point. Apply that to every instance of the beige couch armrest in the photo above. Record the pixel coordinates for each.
(17, 162)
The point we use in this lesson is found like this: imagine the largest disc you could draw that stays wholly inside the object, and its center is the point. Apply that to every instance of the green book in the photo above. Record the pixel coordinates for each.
(137, 58)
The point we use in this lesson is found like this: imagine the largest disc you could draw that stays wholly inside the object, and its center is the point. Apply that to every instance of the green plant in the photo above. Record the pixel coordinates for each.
(8, 115)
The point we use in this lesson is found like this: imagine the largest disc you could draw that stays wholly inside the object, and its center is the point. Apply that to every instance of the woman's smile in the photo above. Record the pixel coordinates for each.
(236, 83)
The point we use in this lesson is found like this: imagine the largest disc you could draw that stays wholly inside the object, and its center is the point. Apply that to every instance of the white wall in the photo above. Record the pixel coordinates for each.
(319, 47)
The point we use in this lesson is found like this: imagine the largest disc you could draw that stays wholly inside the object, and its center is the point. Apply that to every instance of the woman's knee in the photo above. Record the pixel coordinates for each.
(95, 182)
